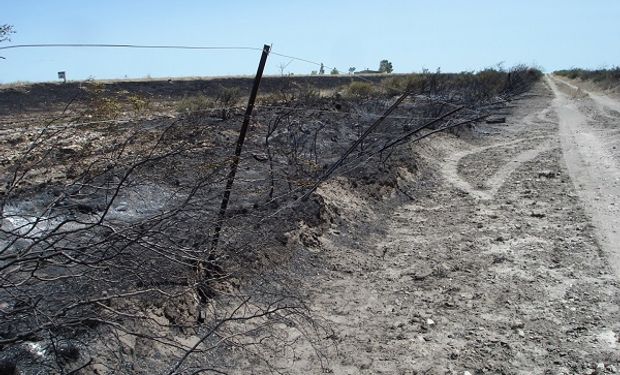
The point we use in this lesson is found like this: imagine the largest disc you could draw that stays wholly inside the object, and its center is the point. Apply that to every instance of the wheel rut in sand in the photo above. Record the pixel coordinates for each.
(592, 167)
(604, 103)
(497, 180)
(586, 151)
(449, 283)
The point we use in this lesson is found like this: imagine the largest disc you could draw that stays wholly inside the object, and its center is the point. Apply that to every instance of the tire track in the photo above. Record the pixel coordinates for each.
(498, 179)
(593, 170)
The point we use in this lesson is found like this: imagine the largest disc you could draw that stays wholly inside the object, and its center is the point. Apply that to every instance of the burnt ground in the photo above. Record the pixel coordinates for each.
(493, 267)
(48, 96)
(471, 254)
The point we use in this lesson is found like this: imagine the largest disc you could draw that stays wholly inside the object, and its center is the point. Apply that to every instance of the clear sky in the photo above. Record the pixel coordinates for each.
(454, 35)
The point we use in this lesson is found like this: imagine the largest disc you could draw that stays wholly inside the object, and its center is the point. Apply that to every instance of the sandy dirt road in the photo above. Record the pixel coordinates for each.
(591, 163)
(499, 264)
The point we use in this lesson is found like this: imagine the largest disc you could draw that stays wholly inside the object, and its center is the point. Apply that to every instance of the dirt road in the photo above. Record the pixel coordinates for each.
(493, 267)
(589, 154)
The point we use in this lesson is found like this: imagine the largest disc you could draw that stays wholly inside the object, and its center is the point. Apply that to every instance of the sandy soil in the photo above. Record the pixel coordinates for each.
(604, 88)
(500, 263)
(591, 164)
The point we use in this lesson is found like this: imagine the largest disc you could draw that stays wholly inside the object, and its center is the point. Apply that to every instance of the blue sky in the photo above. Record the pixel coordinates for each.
(454, 35)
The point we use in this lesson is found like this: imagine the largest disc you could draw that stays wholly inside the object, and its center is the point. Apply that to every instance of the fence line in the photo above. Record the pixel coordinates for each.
(136, 46)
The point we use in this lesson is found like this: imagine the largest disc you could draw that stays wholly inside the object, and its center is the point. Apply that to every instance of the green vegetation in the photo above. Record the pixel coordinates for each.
(607, 76)
(140, 104)
(480, 85)
(195, 105)
(385, 66)
(5, 32)
(201, 105)
(227, 99)
(359, 89)
(296, 94)
(102, 105)
(402, 83)
(465, 87)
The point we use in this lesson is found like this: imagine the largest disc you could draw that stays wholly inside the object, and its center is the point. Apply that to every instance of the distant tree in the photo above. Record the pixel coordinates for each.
(5, 32)
(385, 66)
(334, 72)
(351, 70)
(283, 66)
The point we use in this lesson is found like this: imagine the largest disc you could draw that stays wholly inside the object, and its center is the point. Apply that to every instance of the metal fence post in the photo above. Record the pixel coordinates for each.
(237, 156)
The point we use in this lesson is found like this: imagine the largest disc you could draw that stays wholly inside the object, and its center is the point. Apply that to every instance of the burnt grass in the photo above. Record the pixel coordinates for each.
(105, 222)
(51, 96)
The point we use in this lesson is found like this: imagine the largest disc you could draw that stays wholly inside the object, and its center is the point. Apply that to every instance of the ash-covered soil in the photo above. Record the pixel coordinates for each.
(459, 280)
(468, 254)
